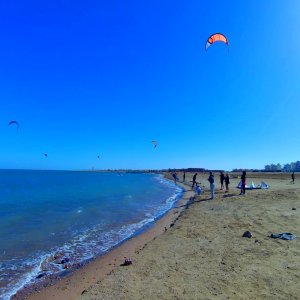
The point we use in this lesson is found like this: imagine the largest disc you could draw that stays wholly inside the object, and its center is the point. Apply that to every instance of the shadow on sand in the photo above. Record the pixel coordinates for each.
(193, 200)
(230, 195)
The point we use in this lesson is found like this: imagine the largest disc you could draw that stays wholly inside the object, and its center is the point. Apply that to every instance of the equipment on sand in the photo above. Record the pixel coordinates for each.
(284, 236)
(252, 186)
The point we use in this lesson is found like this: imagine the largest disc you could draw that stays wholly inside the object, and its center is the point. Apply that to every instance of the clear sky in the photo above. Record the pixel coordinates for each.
(89, 78)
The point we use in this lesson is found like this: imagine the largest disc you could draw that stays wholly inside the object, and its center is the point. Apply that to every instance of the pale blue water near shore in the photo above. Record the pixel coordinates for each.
(79, 215)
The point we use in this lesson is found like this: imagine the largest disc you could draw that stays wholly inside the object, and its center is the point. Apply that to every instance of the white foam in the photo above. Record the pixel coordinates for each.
(91, 242)
(25, 279)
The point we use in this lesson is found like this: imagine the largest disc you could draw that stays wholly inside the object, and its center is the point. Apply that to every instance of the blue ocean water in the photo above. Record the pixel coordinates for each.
(74, 215)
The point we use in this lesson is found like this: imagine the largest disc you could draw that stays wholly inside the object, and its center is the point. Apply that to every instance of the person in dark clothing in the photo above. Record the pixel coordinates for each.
(183, 177)
(243, 186)
(222, 177)
(293, 178)
(211, 180)
(174, 175)
(226, 182)
(194, 180)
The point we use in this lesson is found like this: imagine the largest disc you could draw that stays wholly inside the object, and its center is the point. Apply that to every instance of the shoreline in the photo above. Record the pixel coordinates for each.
(203, 255)
(73, 284)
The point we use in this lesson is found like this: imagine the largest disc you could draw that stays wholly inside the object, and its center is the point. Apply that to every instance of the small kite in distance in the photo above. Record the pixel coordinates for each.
(14, 123)
(154, 143)
(46, 155)
(216, 37)
(98, 156)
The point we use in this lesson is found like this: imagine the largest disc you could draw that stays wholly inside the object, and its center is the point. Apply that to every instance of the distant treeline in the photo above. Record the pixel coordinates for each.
(293, 166)
(247, 170)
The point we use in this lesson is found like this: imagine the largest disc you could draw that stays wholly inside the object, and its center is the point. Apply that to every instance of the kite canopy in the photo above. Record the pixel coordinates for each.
(216, 37)
(154, 143)
(14, 123)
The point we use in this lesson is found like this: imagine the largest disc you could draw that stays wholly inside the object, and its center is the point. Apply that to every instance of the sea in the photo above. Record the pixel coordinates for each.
(51, 221)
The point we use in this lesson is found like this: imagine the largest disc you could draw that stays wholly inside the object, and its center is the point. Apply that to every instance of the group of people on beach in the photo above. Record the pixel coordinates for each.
(224, 179)
(211, 180)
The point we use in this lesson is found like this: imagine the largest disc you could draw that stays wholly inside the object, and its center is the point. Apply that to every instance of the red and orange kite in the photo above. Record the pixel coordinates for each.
(216, 37)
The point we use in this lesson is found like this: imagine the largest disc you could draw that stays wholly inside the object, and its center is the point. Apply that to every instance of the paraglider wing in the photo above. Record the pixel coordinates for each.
(154, 143)
(216, 37)
(14, 122)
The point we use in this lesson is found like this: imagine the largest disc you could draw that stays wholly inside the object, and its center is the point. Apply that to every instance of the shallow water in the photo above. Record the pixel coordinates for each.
(73, 216)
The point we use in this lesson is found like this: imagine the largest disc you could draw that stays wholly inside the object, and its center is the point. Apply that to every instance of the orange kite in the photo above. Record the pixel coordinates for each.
(216, 37)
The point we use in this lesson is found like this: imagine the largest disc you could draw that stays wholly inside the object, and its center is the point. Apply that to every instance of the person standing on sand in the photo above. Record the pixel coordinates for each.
(183, 177)
(174, 175)
(194, 180)
(211, 180)
(222, 177)
(243, 185)
(226, 182)
(293, 178)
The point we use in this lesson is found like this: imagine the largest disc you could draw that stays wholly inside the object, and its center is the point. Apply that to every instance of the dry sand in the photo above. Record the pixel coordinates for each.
(204, 256)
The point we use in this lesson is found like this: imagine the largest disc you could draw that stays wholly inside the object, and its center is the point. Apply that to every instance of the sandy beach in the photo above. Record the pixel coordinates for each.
(197, 251)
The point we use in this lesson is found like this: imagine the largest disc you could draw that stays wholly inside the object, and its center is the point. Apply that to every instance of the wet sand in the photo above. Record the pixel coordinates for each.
(203, 254)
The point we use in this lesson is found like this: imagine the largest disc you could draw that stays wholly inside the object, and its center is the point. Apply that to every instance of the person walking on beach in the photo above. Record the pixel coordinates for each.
(226, 178)
(293, 178)
(183, 177)
(222, 177)
(243, 183)
(211, 180)
(194, 180)
(174, 177)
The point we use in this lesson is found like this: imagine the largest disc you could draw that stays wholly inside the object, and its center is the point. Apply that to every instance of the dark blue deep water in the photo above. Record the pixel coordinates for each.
(74, 215)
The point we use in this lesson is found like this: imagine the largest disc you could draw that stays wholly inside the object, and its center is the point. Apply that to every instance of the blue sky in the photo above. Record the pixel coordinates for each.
(96, 78)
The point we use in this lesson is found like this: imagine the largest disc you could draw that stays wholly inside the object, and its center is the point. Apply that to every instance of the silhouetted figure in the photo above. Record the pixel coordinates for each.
(183, 177)
(222, 178)
(227, 182)
(174, 175)
(243, 183)
(194, 180)
(293, 178)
